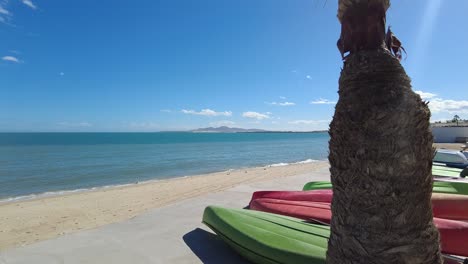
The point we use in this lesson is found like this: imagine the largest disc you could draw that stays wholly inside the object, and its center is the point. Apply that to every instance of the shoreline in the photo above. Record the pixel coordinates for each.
(34, 196)
(28, 221)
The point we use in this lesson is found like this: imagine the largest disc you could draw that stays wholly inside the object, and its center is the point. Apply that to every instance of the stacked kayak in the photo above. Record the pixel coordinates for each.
(450, 187)
(292, 227)
(312, 211)
(269, 238)
(450, 206)
(321, 196)
(266, 238)
(448, 171)
(439, 187)
(453, 233)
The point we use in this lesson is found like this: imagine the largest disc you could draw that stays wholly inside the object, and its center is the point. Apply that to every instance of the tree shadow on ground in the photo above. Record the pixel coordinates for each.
(210, 249)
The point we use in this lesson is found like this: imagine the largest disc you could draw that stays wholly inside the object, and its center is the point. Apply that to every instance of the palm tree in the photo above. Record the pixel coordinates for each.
(380, 149)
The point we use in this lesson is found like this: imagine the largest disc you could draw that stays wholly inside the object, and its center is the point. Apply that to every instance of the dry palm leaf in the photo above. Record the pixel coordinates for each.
(394, 44)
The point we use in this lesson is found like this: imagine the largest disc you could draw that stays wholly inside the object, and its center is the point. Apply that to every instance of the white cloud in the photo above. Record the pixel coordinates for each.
(438, 105)
(308, 77)
(222, 123)
(207, 112)
(3, 11)
(79, 124)
(11, 59)
(281, 103)
(5, 14)
(282, 98)
(29, 3)
(425, 95)
(61, 73)
(255, 115)
(309, 122)
(322, 101)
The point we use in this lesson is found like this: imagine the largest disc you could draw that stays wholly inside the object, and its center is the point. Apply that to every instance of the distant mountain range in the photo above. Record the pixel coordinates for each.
(225, 129)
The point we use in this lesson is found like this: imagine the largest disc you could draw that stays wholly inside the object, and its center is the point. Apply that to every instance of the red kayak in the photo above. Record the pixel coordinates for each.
(323, 196)
(453, 233)
(450, 206)
(319, 212)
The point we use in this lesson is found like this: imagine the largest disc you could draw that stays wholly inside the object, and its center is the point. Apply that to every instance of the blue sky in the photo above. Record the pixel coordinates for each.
(179, 64)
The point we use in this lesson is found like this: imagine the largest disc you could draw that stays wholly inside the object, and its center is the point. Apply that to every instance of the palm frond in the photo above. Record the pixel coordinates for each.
(394, 44)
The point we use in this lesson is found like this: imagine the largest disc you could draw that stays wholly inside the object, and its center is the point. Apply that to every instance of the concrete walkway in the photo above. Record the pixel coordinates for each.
(171, 234)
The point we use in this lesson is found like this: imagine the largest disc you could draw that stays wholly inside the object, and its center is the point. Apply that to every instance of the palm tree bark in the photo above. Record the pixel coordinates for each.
(380, 151)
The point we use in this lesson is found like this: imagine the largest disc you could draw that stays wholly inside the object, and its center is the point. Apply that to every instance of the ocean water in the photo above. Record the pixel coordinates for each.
(49, 163)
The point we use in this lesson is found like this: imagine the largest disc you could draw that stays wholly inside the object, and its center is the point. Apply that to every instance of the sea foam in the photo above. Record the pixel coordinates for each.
(281, 164)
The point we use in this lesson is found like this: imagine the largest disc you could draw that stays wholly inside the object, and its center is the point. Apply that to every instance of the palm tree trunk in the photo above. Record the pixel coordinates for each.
(380, 151)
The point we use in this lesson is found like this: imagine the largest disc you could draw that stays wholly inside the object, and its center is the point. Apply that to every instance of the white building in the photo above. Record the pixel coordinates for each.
(450, 134)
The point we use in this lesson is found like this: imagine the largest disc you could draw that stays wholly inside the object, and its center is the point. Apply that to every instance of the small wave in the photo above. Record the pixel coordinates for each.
(281, 164)
(57, 193)
(306, 161)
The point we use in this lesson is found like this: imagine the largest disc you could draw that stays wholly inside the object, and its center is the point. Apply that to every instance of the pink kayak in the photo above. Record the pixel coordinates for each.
(453, 233)
(450, 206)
(319, 212)
(323, 196)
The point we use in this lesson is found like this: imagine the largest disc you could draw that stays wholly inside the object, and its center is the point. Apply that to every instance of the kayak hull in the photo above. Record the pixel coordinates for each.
(453, 234)
(450, 206)
(268, 238)
(446, 171)
(460, 188)
(313, 211)
(322, 196)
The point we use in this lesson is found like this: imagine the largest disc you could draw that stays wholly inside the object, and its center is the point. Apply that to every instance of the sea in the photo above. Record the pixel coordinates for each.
(45, 164)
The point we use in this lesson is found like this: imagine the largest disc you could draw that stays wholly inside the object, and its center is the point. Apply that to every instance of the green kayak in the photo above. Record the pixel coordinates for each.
(439, 187)
(317, 185)
(445, 168)
(450, 187)
(446, 171)
(266, 238)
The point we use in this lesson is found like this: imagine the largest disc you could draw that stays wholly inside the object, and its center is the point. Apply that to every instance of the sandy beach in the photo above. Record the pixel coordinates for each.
(30, 221)
(453, 146)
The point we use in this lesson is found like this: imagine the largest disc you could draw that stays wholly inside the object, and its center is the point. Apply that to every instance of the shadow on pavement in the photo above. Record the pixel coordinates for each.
(210, 249)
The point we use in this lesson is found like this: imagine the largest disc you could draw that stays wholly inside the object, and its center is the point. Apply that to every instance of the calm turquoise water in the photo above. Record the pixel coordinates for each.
(35, 163)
